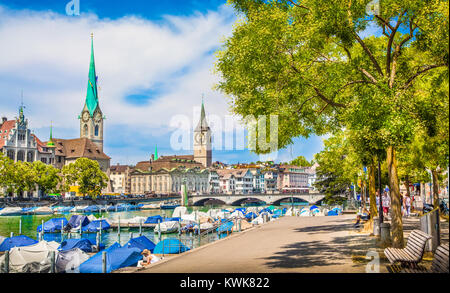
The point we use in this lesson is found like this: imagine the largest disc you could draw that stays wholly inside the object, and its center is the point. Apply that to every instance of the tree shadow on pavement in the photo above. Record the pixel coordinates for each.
(336, 251)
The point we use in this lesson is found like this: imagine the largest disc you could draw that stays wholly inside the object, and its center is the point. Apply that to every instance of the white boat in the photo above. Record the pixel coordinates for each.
(31, 259)
(152, 206)
(43, 211)
(11, 211)
(135, 220)
(179, 211)
(167, 227)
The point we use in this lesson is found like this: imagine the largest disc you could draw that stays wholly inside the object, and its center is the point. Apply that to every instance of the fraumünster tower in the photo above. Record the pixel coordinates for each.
(91, 118)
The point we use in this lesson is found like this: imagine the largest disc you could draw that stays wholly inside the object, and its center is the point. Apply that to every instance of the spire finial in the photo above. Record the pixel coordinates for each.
(50, 142)
(92, 35)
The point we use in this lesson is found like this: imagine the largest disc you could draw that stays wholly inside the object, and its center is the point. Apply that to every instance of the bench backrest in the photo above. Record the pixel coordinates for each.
(440, 260)
(417, 241)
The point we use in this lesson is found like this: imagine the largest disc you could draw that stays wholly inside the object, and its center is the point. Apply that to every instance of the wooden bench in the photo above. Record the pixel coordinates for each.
(439, 264)
(413, 252)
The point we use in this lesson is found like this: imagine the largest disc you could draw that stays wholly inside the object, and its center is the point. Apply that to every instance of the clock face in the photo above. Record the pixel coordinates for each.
(199, 138)
(98, 118)
(86, 116)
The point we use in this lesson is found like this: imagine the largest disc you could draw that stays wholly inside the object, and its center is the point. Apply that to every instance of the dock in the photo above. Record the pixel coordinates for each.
(132, 225)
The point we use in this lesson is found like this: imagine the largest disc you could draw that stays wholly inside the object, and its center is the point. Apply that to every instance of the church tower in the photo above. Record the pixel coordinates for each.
(91, 118)
(202, 141)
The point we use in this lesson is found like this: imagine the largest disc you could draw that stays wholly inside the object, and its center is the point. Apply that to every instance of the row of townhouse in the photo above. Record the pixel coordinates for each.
(166, 179)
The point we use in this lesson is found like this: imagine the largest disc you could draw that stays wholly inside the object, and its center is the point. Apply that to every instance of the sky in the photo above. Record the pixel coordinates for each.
(154, 60)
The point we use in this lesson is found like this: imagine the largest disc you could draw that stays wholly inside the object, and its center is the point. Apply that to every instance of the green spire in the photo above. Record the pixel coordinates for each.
(92, 96)
(50, 143)
(156, 152)
(202, 125)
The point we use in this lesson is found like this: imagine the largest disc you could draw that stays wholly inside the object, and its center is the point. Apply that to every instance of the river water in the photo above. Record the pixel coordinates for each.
(30, 223)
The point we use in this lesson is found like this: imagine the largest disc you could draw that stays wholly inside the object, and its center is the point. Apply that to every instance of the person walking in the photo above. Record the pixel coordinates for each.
(407, 205)
(386, 203)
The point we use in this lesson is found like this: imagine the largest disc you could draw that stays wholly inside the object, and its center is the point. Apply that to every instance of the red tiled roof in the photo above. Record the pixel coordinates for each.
(78, 148)
(5, 129)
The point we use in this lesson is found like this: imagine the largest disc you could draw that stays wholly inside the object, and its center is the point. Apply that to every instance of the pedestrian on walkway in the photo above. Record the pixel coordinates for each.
(407, 205)
(386, 200)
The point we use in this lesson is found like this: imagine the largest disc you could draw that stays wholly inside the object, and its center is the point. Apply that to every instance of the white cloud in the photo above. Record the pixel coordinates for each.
(47, 55)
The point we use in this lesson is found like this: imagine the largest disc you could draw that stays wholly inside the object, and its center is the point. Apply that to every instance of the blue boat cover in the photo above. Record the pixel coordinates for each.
(26, 210)
(266, 210)
(116, 257)
(228, 226)
(172, 219)
(83, 244)
(243, 210)
(333, 213)
(141, 243)
(91, 209)
(74, 221)
(251, 215)
(53, 225)
(313, 207)
(16, 241)
(95, 226)
(170, 246)
(278, 212)
(154, 220)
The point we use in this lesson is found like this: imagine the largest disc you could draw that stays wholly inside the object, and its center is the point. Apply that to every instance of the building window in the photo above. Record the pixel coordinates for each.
(85, 130)
(96, 130)
(21, 156)
(44, 160)
(10, 154)
(30, 157)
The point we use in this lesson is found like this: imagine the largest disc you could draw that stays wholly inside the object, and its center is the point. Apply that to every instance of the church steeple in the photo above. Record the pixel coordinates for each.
(91, 118)
(50, 142)
(202, 140)
(92, 94)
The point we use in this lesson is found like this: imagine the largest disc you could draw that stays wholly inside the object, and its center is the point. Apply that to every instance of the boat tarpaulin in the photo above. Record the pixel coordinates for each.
(95, 226)
(75, 220)
(69, 261)
(141, 243)
(154, 220)
(16, 241)
(83, 244)
(170, 246)
(227, 226)
(53, 225)
(116, 257)
(31, 259)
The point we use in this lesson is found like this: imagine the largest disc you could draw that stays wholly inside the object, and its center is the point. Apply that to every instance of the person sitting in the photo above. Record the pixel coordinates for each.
(148, 259)
(358, 222)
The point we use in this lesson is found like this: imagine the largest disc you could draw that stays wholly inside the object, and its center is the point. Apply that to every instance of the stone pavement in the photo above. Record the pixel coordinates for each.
(287, 245)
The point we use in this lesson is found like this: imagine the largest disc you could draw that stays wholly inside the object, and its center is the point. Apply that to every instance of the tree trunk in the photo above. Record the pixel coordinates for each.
(372, 188)
(434, 173)
(394, 188)
(408, 192)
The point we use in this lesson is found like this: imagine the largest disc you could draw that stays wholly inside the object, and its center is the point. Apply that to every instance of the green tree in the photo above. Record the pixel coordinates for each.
(301, 161)
(6, 174)
(87, 175)
(24, 178)
(48, 178)
(308, 62)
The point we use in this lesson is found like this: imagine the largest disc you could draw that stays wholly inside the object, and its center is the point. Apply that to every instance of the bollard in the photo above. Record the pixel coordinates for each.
(385, 233)
(20, 227)
(163, 248)
(12, 234)
(53, 262)
(104, 262)
(376, 226)
(118, 228)
(80, 228)
(131, 235)
(240, 225)
(42, 228)
(98, 239)
(62, 230)
(7, 261)
(159, 229)
(140, 228)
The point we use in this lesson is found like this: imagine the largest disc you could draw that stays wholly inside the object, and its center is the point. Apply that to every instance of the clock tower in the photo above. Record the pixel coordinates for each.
(91, 118)
(202, 141)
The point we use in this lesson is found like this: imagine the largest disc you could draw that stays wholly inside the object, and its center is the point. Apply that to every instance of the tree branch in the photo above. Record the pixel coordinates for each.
(333, 103)
(373, 79)
(389, 46)
(424, 69)
(369, 53)
(298, 5)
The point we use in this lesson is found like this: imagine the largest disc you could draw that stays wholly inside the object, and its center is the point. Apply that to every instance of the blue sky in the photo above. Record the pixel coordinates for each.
(154, 60)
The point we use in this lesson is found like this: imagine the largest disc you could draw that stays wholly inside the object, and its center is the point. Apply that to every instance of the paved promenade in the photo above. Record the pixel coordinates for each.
(289, 244)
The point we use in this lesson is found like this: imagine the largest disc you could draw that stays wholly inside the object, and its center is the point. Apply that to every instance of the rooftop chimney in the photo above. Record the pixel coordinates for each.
(4, 119)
